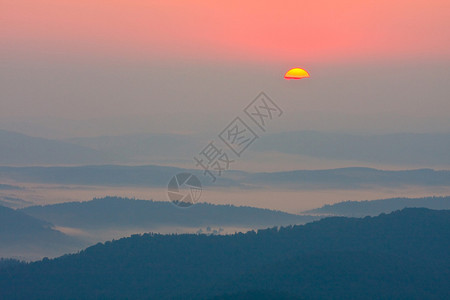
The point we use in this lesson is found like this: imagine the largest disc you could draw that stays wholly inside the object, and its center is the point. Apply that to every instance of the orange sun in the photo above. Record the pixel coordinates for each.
(296, 73)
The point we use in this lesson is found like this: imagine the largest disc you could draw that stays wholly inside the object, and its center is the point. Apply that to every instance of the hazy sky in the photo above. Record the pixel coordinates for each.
(79, 68)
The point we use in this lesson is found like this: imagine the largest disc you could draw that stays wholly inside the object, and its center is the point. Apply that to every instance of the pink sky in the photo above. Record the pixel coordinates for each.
(273, 31)
(129, 66)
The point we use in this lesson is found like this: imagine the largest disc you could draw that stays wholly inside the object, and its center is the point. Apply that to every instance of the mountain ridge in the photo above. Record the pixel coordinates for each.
(159, 176)
(119, 212)
(376, 207)
(26, 236)
(402, 255)
(21, 149)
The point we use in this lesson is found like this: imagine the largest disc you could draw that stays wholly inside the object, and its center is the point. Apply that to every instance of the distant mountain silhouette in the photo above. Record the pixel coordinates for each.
(20, 149)
(122, 213)
(159, 176)
(113, 175)
(403, 255)
(14, 202)
(22, 235)
(397, 148)
(9, 187)
(411, 149)
(376, 207)
(350, 178)
(144, 148)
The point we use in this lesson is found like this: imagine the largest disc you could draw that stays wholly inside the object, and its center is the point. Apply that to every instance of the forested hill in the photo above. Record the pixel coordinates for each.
(22, 235)
(119, 213)
(404, 254)
(376, 207)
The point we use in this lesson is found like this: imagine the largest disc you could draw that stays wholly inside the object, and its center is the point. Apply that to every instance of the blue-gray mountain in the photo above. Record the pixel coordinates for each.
(403, 255)
(124, 213)
(14, 202)
(159, 176)
(408, 149)
(9, 187)
(162, 148)
(398, 149)
(22, 235)
(109, 175)
(376, 207)
(20, 149)
(33, 232)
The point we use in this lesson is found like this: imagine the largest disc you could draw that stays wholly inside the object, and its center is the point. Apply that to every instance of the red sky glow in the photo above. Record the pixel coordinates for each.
(319, 30)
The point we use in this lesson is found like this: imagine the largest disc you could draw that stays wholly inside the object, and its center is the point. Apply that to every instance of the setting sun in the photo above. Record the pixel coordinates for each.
(296, 73)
